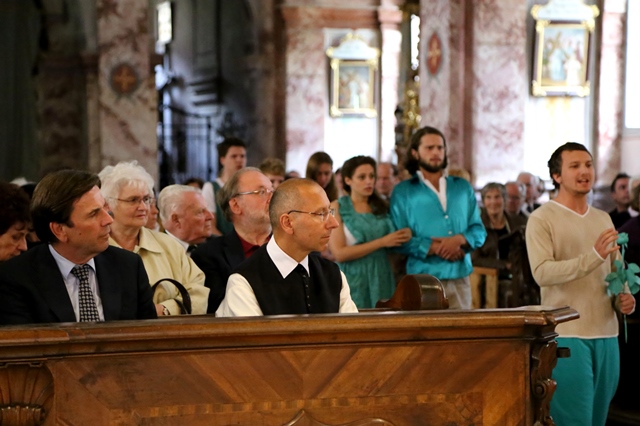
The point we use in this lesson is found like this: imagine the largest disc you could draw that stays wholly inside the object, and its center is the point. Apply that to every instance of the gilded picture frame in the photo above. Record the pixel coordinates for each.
(561, 58)
(353, 87)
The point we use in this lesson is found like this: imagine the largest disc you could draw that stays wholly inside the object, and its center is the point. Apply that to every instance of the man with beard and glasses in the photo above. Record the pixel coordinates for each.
(572, 248)
(244, 201)
(443, 215)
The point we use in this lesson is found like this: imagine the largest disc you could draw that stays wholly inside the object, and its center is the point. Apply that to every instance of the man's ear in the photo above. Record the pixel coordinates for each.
(414, 154)
(175, 219)
(556, 178)
(286, 224)
(233, 205)
(59, 230)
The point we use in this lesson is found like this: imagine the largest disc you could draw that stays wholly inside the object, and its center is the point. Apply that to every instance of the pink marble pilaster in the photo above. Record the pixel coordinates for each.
(390, 18)
(610, 91)
(441, 94)
(306, 76)
(500, 89)
(127, 121)
(479, 95)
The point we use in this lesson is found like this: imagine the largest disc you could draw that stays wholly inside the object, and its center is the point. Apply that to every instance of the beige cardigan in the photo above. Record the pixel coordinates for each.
(164, 257)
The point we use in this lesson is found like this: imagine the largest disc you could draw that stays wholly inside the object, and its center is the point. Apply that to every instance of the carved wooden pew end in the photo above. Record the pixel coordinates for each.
(416, 293)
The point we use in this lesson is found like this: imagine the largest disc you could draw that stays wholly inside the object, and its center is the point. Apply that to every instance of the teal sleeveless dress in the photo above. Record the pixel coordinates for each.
(370, 277)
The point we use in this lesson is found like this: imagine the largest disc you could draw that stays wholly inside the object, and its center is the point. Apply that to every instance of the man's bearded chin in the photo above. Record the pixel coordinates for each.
(434, 169)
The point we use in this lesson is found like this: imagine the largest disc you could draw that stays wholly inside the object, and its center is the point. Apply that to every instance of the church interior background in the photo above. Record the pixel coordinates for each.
(90, 83)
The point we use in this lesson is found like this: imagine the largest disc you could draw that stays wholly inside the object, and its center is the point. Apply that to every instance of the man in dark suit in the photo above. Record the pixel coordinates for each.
(76, 276)
(244, 201)
(285, 276)
(621, 196)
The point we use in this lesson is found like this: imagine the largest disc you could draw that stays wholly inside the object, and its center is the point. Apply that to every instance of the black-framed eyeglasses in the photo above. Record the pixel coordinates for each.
(323, 215)
(263, 192)
(134, 201)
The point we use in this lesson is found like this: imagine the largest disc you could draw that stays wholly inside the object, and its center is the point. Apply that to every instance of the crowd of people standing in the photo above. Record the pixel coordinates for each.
(261, 241)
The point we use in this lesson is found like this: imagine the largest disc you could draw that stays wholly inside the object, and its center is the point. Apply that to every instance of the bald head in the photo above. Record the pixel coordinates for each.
(301, 218)
(289, 196)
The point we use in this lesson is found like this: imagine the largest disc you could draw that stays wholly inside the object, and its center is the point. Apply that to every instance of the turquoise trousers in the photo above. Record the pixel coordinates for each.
(586, 381)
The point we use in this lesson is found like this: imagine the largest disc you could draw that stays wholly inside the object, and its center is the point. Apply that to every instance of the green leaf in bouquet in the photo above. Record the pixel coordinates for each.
(623, 238)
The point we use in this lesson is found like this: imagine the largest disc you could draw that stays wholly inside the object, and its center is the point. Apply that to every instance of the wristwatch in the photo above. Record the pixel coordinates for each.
(165, 311)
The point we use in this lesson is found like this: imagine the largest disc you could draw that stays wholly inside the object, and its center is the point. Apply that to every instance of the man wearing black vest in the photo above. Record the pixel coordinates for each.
(287, 275)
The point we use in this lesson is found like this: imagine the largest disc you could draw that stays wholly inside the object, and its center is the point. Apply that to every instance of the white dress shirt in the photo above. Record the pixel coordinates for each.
(72, 283)
(240, 301)
(442, 183)
(182, 243)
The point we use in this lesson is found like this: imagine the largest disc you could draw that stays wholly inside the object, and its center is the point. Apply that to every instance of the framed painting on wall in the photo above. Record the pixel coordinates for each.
(353, 87)
(561, 58)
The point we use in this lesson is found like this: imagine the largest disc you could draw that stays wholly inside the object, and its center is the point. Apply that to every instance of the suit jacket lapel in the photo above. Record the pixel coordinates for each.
(52, 286)
(110, 291)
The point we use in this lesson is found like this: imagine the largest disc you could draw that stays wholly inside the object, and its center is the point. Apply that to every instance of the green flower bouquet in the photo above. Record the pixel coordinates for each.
(623, 277)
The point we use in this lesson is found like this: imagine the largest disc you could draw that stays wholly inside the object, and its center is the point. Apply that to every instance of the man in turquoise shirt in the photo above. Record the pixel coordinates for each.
(443, 215)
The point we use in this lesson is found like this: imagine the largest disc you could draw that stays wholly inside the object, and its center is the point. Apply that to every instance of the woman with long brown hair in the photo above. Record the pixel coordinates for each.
(365, 231)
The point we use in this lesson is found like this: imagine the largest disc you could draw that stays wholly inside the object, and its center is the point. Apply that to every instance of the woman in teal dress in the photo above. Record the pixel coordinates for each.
(364, 232)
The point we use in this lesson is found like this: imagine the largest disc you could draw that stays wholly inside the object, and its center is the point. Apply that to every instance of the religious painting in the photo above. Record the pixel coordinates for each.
(353, 87)
(561, 62)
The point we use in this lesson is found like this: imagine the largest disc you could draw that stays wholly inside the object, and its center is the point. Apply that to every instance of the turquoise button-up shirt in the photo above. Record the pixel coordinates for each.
(415, 206)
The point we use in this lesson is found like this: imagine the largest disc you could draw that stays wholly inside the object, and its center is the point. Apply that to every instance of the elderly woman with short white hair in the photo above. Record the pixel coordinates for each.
(128, 191)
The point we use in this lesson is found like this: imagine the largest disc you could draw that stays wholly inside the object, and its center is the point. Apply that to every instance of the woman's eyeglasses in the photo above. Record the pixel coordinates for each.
(134, 201)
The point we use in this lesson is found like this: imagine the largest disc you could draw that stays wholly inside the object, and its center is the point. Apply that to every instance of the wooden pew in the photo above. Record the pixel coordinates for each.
(417, 292)
(491, 287)
(434, 367)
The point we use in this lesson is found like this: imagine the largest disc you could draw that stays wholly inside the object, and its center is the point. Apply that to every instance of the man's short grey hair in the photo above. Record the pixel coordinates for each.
(521, 187)
(230, 190)
(170, 198)
(123, 174)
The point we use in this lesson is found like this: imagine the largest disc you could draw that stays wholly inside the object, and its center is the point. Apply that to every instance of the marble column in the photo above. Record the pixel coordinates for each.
(125, 125)
(499, 89)
(475, 87)
(610, 87)
(306, 87)
(390, 17)
(442, 36)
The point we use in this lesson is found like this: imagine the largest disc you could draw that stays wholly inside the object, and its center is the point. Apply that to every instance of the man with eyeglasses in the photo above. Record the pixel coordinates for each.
(244, 201)
(76, 275)
(288, 275)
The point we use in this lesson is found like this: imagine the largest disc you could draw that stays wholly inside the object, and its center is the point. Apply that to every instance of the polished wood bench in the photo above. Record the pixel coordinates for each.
(437, 367)
(491, 287)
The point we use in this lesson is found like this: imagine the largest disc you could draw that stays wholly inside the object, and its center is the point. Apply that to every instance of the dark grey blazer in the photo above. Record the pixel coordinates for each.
(217, 258)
